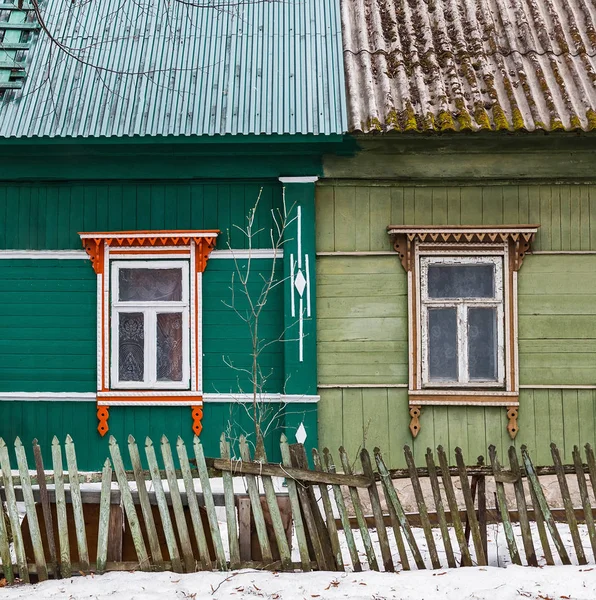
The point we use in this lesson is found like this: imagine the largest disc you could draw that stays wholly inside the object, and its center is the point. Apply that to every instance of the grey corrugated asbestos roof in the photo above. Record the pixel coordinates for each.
(151, 67)
(440, 65)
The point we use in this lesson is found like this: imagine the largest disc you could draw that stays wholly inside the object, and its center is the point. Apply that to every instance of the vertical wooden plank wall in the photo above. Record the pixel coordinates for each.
(362, 318)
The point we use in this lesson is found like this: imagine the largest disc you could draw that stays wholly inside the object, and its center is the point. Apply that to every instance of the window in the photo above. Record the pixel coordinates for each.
(149, 299)
(462, 315)
(462, 323)
(150, 325)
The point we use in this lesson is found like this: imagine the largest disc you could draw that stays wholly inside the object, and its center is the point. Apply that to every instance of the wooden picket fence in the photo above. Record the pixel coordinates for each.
(176, 529)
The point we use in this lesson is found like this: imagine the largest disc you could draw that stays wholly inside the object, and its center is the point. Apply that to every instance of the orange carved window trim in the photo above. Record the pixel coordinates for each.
(196, 245)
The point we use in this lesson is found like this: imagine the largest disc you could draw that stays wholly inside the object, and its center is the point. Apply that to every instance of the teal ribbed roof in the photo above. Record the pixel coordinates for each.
(159, 67)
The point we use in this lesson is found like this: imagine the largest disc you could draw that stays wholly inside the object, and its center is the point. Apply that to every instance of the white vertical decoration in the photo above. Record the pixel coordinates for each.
(193, 305)
(199, 333)
(106, 316)
(99, 330)
(307, 269)
(299, 210)
(301, 333)
(292, 284)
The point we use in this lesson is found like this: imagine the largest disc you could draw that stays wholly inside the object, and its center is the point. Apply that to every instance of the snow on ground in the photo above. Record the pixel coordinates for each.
(474, 583)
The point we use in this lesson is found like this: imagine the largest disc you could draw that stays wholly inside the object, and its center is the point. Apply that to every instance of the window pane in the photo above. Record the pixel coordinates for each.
(131, 347)
(442, 340)
(146, 285)
(169, 347)
(461, 281)
(482, 343)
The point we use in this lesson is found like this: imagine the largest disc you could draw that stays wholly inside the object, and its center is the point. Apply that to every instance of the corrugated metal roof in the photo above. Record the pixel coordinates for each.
(436, 65)
(159, 67)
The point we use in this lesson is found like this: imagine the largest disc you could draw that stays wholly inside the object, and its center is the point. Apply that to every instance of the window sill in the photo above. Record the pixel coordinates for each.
(463, 398)
(149, 398)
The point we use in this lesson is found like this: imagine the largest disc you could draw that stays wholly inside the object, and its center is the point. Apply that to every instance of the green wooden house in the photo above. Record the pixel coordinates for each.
(135, 140)
(456, 248)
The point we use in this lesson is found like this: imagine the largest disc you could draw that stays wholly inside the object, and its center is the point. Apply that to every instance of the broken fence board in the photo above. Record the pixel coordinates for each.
(13, 513)
(104, 518)
(61, 517)
(228, 485)
(193, 505)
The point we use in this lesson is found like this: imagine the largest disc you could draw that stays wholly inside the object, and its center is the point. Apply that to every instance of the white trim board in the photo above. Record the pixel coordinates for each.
(82, 255)
(92, 397)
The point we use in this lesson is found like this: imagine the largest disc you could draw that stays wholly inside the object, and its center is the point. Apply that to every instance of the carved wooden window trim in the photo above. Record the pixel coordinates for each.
(509, 242)
(103, 249)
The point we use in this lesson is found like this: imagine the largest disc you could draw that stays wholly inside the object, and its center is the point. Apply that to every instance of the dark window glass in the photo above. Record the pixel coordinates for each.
(461, 281)
(482, 343)
(169, 347)
(442, 350)
(147, 285)
(131, 347)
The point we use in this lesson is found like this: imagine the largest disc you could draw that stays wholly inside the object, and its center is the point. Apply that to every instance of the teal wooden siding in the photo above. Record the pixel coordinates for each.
(48, 215)
(48, 327)
(362, 318)
(43, 420)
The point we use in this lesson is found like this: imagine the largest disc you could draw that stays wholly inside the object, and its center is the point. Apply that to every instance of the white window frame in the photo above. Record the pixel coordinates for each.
(462, 305)
(150, 311)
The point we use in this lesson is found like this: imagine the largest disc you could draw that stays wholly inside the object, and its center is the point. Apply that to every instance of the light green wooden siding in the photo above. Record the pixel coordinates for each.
(354, 217)
(48, 327)
(379, 417)
(362, 318)
(48, 215)
(362, 327)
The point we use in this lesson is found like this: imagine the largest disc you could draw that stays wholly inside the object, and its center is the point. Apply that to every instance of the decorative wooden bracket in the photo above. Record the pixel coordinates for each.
(103, 415)
(518, 237)
(415, 412)
(197, 417)
(512, 428)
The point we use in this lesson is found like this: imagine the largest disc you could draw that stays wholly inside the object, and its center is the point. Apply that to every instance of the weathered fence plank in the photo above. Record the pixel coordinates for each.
(422, 510)
(257, 510)
(568, 505)
(34, 530)
(585, 498)
(104, 518)
(472, 519)
(392, 498)
(77, 504)
(466, 559)
(162, 505)
(61, 516)
(329, 467)
(524, 521)
(179, 517)
(274, 512)
(546, 513)
(365, 534)
(45, 504)
(502, 506)
(548, 555)
(220, 557)
(193, 506)
(154, 547)
(329, 516)
(295, 504)
(228, 484)
(5, 548)
(129, 507)
(298, 455)
(13, 513)
(375, 502)
(436, 489)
